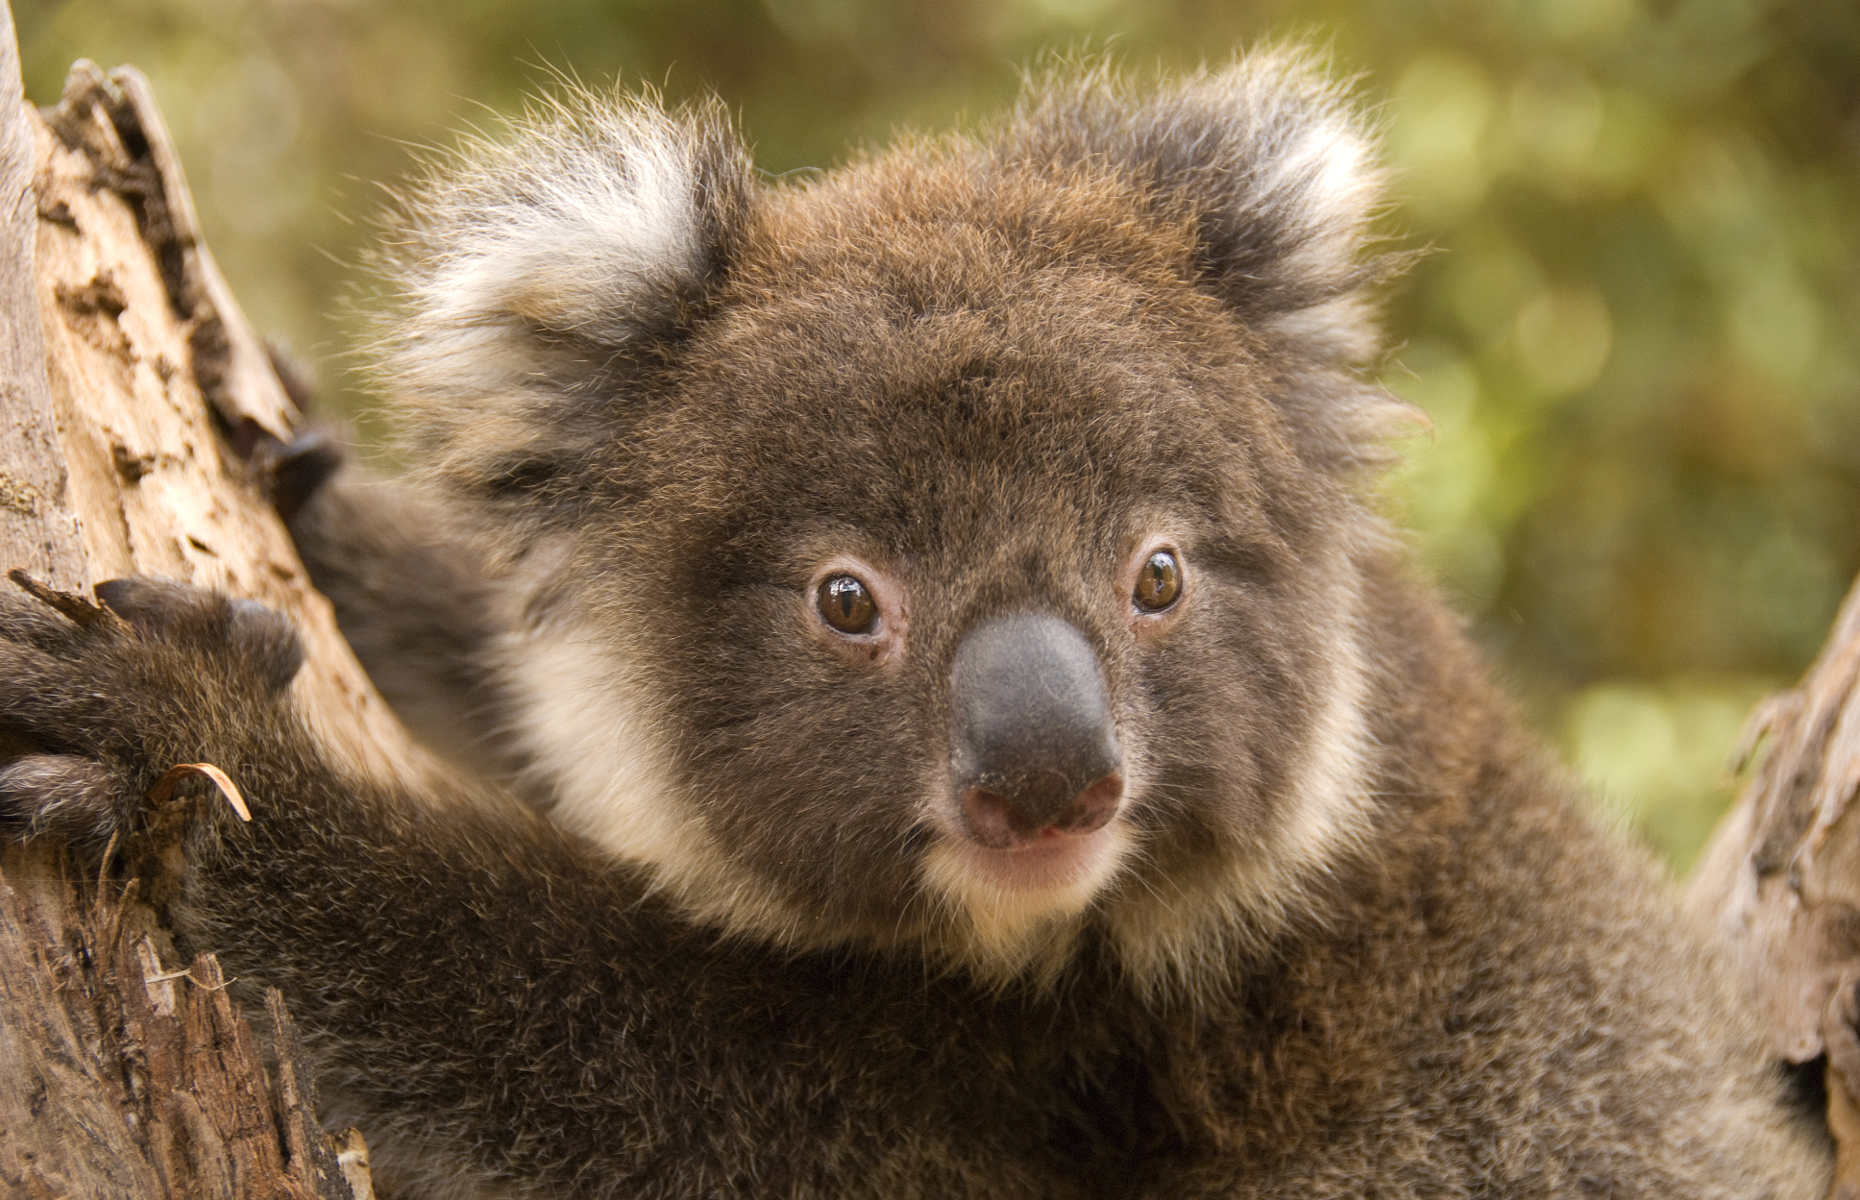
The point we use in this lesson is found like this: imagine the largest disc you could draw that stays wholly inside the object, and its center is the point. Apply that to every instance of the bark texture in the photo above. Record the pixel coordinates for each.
(129, 1077)
(130, 386)
(1781, 878)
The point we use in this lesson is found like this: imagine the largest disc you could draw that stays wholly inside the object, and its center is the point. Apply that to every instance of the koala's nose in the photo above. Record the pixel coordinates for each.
(1033, 749)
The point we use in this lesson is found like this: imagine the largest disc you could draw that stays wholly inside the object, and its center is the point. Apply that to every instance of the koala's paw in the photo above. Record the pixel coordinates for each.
(296, 471)
(98, 703)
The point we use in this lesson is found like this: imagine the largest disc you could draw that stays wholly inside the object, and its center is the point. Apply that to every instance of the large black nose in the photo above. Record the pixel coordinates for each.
(1033, 749)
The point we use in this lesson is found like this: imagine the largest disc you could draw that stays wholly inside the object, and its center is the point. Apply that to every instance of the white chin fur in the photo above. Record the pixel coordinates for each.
(605, 762)
(1005, 897)
(586, 720)
(601, 754)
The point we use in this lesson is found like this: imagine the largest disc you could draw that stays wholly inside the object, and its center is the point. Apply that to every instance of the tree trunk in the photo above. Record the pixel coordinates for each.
(133, 392)
(1781, 877)
(129, 381)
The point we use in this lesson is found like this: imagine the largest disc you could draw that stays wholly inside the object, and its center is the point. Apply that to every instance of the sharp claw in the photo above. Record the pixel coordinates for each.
(268, 641)
(257, 638)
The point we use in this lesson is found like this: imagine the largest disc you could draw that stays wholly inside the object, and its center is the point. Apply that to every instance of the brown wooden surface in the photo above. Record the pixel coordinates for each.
(125, 1072)
(147, 360)
(37, 528)
(130, 1077)
(1781, 877)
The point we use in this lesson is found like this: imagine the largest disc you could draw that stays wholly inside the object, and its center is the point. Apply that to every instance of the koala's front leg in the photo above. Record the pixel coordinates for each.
(399, 939)
(462, 972)
(99, 703)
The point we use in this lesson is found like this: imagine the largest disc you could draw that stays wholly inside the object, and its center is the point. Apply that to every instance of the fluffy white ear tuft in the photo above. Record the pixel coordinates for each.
(530, 259)
(1299, 207)
(1271, 160)
(536, 272)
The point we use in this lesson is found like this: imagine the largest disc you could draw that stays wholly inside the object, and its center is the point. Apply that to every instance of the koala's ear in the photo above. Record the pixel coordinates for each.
(535, 269)
(1271, 161)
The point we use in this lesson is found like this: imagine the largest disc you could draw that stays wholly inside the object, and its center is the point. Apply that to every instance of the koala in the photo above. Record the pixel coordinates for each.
(949, 719)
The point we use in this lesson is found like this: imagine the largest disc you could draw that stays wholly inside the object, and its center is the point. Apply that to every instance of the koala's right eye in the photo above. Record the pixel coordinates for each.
(845, 603)
(1159, 582)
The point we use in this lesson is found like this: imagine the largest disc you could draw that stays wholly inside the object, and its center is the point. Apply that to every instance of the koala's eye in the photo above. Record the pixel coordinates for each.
(846, 604)
(1159, 582)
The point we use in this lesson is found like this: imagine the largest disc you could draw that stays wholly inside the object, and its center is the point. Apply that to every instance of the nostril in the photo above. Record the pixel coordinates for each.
(1093, 808)
(991, 820)
(1005, 822)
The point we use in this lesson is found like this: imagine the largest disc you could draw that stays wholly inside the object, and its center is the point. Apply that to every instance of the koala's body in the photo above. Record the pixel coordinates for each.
(966, 733)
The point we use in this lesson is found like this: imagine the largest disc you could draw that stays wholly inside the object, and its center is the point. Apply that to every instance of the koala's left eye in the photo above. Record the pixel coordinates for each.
(1159, 582)
(845, 603)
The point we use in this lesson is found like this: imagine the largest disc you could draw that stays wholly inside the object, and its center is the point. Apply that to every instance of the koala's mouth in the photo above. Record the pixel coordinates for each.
(1067, 866)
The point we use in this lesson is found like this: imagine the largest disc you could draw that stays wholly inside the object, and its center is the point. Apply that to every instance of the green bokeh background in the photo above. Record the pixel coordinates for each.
(1638, 334)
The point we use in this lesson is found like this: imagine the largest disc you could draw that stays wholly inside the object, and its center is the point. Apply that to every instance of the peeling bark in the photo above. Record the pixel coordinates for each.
(128, 1077)
(1781, 878)
(131, 388)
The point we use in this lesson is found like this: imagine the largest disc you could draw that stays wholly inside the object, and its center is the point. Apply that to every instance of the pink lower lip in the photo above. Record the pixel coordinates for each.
(1055, 860)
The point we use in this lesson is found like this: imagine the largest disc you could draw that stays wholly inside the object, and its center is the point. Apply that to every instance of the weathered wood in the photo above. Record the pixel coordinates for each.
(1781, 877)
(148, 361)
(130, 1078)
(130, 385)
(36, 527)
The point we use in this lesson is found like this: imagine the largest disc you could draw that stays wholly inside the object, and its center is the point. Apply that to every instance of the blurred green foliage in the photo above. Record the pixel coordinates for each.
(1636, 335)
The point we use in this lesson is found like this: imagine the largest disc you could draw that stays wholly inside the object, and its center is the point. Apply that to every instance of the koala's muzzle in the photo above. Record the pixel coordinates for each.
(1033, 749)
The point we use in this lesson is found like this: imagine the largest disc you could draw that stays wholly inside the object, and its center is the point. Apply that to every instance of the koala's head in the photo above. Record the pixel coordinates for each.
(956, 549)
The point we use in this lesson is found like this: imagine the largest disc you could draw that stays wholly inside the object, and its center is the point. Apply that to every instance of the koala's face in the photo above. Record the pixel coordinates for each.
(972, 584)
(968, 568)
